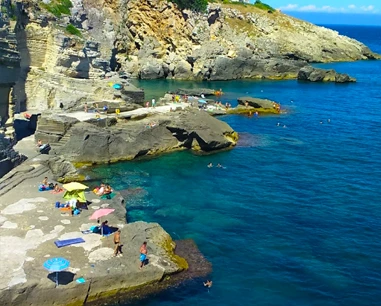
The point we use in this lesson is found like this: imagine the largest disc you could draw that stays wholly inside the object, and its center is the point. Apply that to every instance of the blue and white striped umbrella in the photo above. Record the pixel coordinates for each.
(56, 264)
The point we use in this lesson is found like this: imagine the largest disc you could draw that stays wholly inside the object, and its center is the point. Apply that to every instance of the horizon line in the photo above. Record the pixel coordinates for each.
(328, 13)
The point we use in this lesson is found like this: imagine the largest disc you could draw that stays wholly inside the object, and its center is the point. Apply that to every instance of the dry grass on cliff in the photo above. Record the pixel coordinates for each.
(242, 26)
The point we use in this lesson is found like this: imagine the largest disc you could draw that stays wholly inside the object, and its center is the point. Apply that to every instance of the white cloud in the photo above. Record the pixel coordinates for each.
(368, 8)
(330, 9)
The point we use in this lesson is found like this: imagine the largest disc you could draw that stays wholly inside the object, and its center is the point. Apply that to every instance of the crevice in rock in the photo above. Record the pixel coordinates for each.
(180, 134)
(114, 64)
(87, 293)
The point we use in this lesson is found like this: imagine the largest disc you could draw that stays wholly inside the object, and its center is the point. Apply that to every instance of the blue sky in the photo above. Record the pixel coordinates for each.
(326, 6)
(358, 12)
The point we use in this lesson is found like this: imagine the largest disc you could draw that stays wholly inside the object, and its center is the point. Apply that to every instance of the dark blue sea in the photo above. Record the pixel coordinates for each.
(294, 217)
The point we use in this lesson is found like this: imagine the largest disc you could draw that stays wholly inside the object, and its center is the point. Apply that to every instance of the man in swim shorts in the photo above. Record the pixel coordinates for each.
(143, 254)
(117, 249)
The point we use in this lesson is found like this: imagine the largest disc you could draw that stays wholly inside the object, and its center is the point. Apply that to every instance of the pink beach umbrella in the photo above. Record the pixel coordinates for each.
(99, 213)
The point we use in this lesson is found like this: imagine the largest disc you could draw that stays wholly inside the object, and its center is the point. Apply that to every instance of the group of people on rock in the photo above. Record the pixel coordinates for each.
(46, 185)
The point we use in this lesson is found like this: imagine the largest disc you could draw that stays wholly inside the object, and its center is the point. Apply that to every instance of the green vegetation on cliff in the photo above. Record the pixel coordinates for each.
(73, 30)
(58, 7)
(194, 5)
(259, 4)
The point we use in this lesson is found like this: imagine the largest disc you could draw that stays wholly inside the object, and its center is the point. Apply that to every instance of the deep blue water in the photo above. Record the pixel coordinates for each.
(294, 218)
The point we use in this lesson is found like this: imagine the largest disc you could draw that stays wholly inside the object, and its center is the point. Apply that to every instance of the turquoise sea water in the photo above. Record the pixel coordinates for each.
(294, 217)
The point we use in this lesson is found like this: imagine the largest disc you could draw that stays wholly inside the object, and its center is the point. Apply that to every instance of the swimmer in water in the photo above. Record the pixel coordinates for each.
(210, 165)
(278, 124)
(219, 166)
(208, 284)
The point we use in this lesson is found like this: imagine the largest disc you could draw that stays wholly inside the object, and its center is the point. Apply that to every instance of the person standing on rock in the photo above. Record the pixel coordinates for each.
(143, 254)
(117, 250)
(153, 102)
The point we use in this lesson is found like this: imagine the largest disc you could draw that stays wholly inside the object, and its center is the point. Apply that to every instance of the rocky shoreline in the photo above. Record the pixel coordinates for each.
(29, 224)
(65, 77)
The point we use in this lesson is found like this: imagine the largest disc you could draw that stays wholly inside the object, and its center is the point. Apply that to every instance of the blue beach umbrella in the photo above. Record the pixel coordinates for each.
(56, 264)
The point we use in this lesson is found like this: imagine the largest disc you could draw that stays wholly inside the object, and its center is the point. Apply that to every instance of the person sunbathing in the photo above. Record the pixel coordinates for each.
(57, 188)
(108, 189)
(101, 190)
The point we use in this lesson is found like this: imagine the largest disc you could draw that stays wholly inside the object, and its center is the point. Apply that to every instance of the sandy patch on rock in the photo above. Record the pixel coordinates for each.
(101, 254)
(95, 201)
(65, 221)
(94, 207)
(43, 218)
(22, 205)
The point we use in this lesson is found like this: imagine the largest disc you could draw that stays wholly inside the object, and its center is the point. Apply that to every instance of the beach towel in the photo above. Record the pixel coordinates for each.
(108, 196)
(56, 192)
(66, 242)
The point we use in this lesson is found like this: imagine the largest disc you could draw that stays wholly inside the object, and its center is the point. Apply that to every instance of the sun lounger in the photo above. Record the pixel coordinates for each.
(66, 242)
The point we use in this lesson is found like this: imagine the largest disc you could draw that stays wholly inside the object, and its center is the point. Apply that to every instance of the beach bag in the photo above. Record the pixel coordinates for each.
(41, 188)
(51, 186)
(58, 204)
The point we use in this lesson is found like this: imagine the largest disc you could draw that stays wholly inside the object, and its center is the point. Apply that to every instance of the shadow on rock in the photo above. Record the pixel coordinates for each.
(64, 277)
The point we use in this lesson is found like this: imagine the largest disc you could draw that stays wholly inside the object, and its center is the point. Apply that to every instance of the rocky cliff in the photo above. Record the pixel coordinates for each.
(153, 39)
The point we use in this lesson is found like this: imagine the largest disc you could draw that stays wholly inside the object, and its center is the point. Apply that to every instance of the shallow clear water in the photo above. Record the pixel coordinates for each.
(294, 217)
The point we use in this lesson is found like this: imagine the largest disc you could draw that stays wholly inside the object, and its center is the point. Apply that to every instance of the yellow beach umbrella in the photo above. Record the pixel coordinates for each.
(74, 186)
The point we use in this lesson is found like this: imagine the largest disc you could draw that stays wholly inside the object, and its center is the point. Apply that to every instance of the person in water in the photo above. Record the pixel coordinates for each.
(208, 284)
(219, 166)
(210, 165)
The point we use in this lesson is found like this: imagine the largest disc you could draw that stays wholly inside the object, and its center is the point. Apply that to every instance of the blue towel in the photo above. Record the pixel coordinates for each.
(66, 242)
(80, 280)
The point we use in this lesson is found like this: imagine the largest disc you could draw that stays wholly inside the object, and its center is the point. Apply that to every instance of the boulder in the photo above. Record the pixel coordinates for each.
(151, 69)
(51, 127)
(193, 91)
(258, 103)
(183, 70)
(313, 74)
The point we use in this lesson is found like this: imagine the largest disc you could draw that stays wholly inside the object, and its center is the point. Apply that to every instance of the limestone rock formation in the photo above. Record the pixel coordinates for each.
(125, 140)
(323, 75)
(257, 103)
(9, 158)
(194, 91)
(230, 41)
(153, 39)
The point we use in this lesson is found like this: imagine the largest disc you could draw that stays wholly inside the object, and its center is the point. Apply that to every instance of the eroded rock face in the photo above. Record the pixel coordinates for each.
(323, 75)
(257, 103)
(153, 39)
(90, 142)
(9, 158)
(229, 42)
